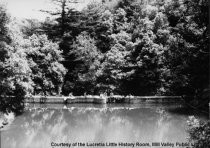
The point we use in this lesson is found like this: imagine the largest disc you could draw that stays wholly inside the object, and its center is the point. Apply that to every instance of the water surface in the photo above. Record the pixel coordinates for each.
(42, 124)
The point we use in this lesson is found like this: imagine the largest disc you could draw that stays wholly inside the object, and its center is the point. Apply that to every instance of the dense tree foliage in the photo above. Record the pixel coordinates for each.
(30, 64)
(44, 60)
(87, 61)
(189, 48)
(199, 132)
(14, 70)
(136, 47)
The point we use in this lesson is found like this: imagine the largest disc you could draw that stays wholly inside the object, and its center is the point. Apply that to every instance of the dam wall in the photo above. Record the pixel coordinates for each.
(101, 99)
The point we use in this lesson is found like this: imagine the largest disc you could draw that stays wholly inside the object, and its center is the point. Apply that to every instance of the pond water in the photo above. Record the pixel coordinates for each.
(46, 126)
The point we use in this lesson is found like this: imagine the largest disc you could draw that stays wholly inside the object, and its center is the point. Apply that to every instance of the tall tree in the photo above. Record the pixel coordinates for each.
(15, 81)
(63, 7)
(87, 59)
(44, 59)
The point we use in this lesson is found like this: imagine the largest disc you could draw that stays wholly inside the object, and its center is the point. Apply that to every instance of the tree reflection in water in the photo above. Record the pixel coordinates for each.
(11, 104)
(37, 128)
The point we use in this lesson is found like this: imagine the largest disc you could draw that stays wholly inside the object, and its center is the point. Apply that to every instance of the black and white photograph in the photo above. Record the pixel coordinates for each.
(104, 74)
